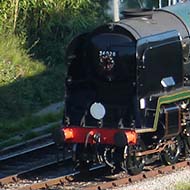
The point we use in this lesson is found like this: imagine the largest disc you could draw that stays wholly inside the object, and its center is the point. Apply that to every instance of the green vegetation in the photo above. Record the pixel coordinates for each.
(24, 129)
(33, 38)
(32, 53)
(14, 62)
(183, 186)
(49, 25)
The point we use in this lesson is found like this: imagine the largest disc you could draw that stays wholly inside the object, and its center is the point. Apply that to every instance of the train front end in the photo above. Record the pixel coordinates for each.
(100, 102)
(125, 90)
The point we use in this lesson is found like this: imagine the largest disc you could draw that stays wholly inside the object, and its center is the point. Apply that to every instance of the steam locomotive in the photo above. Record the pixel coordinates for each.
(128, 91)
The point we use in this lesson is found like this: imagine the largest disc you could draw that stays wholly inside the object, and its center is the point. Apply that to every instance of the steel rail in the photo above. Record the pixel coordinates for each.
(17, 177)
(56, 181)
(9, 162)
(141, 176)
(110, 184)
(22, 149)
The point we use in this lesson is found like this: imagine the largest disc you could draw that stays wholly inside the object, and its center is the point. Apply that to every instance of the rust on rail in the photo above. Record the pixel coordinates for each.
(48, 183)
(143, 175)
(9, 179)
(64, 180)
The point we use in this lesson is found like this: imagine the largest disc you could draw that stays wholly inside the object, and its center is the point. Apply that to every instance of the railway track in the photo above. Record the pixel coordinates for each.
(26, 147)
(36, 174)
(25, 156)
(98, 178)
(36, 166)
(33, 158)
(49, 176)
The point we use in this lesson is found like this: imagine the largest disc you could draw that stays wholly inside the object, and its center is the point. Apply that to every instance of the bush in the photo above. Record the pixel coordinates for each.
(58, 25)
(14, 61)
(17, 73)
(182, 186)
(38, 29)
(50, 25)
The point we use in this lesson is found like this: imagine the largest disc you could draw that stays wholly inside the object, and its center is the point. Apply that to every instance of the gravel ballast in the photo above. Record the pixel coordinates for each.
(162, 182)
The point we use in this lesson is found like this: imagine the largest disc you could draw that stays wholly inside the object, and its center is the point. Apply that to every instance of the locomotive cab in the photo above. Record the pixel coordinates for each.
(159, 57)
(159, 71)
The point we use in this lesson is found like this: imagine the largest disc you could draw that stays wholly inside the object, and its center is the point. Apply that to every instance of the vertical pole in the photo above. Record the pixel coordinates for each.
(160, 3)
(116, 10)
(174, 2)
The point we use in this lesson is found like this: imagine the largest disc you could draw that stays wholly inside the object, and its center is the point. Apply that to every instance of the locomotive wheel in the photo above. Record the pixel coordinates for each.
(81, 157)
(135, 164)
(172, 152)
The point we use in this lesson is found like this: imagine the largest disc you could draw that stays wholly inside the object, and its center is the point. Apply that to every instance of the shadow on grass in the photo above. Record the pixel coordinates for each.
(28, 95)
(21, 99)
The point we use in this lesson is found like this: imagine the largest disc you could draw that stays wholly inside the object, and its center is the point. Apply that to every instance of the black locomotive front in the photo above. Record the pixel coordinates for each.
(103, 72)
(119, 72)
(125, 92)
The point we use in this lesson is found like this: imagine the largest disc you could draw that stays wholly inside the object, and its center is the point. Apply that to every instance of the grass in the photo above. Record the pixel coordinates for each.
(15, 63)
(183, 186)
(17, 127)
(26, 86)
(12, 132)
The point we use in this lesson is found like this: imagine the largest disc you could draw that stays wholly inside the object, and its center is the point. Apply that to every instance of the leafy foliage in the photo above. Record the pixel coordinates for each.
(58, 26)
(50, 24)
(39, 29)
(14, 62)
(182, 186)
